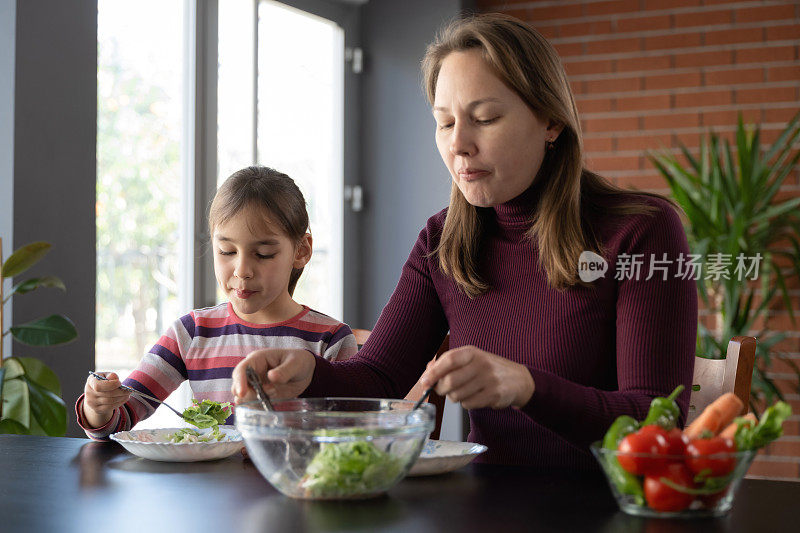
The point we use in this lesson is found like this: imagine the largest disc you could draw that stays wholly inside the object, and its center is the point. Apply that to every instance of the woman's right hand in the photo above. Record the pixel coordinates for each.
(102, 398)
(288, 373)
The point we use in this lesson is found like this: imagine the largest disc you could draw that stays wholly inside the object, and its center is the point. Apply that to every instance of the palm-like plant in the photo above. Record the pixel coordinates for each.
(732, 208)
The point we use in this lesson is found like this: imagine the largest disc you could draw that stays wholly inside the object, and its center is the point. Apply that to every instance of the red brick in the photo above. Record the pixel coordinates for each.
(611, 163)
(781, 115)
(765, 54)
(659, 22)
(614, 46)
(611, 124)
(594, 105)
(786, 73)
(765, 95)
(790, 344)
(599, 144)
(781, 366)
(554, 12)
(682, 40)
(704, 98)
(734, 36)
(774, 469)
(730, 118)
(578, 87)
(638, 103)
(672, 81)
(645, 182)
(670, 4)
(704, 59)
(569, 49)
(613, 85)
(735, 76)
(644, 142)
(643, 63)
(784, 32)
(550, 32)
(671, 120)
(763, 13)
(580, 68)
(594, 27)
(784, 448)
(780, 322)
(706, 18)
(613, 7)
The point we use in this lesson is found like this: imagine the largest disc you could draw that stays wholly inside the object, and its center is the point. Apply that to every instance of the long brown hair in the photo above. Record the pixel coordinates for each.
(269, 192)
(567, 192)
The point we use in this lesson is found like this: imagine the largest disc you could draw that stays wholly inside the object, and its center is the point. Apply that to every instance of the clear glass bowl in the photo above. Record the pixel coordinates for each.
(701, 501)
(334, 448)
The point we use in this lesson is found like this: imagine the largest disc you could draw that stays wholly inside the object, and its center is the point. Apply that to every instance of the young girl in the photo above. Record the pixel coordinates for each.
(259, 232)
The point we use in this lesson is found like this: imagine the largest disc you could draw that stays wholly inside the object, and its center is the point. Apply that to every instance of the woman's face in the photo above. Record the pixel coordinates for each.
(490, 140)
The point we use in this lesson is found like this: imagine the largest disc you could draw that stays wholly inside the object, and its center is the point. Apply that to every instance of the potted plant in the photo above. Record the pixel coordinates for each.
(30, 392)
(733, 210)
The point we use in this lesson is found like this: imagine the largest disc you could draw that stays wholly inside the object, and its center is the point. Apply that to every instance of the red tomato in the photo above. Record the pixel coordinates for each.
(676, 443)
(662, 497)
(648, 440)
(711, 456)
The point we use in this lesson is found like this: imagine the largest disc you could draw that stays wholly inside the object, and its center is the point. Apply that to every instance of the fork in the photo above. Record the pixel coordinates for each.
(139, 393)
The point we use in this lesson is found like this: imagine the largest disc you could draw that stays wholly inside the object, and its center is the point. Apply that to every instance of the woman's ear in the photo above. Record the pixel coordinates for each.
(554, 129)
(302, 251)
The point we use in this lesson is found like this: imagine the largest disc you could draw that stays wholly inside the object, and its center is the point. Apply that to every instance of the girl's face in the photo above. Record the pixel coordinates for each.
(253, 266)
(490, 140)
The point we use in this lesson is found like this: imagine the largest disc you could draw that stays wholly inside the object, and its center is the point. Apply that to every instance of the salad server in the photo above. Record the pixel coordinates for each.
(134, 391)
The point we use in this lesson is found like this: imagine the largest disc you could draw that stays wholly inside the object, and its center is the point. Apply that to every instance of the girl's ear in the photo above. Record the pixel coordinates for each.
(302, 251)
(554, 128)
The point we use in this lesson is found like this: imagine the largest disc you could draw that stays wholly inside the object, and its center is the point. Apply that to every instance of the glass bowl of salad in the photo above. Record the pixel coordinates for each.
(334, 448)
(694, 484)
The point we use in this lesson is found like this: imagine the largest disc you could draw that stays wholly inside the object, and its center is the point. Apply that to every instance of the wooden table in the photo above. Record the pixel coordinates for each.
(61, 484)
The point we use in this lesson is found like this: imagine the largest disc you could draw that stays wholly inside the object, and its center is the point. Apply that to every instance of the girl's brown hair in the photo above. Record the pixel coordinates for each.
(270, 192)
(567, 192)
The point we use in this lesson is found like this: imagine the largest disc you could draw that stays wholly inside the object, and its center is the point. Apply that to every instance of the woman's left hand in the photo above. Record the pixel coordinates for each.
(476, 379)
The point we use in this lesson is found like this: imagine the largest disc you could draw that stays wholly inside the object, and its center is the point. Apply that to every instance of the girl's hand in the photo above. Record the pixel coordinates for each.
(102, 398)
(288, 373)
(479, 379)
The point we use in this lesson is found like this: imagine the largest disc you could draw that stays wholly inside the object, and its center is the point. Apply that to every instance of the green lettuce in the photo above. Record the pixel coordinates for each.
(344, 469)
(207, 414)
(750, 436)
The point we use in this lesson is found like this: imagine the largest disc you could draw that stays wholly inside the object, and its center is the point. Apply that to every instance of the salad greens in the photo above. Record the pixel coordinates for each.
(206, 414)
(203, 414)
(751, 436)
(342, 469)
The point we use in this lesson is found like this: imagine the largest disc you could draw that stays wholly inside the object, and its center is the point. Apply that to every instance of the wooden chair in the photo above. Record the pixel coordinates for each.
(714, 377)
(417, 390)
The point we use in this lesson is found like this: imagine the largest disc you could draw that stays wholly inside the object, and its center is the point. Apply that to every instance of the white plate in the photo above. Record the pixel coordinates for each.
(440, 456)
(153, 444)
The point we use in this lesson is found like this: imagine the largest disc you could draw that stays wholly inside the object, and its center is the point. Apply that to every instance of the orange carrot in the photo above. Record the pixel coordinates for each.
(716, 416)
(730, 431)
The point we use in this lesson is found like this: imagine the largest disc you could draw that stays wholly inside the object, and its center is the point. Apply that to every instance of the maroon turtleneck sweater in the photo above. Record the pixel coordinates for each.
(594, 353)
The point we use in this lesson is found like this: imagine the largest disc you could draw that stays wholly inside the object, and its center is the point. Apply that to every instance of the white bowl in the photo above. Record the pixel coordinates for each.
(440, 456)
(154, 444)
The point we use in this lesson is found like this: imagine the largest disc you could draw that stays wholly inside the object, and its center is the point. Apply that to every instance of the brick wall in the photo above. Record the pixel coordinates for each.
(648, 74)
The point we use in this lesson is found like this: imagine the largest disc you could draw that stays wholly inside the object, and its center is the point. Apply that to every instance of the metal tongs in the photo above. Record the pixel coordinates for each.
(255, 382)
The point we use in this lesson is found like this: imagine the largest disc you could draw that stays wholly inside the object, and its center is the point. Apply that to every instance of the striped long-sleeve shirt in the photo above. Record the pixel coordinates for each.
(205, 345)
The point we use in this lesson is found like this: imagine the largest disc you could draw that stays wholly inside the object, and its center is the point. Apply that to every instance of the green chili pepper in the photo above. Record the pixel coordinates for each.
(625, 482)
(664, 411)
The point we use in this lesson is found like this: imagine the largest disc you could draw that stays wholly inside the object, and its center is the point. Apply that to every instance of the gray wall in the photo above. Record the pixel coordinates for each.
(55, 102)
(8, 9)
(404, 177)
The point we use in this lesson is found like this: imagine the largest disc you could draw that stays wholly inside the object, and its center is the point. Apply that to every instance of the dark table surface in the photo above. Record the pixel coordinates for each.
(62, 484)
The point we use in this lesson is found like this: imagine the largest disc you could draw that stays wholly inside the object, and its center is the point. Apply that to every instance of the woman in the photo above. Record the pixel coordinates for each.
(543, 360)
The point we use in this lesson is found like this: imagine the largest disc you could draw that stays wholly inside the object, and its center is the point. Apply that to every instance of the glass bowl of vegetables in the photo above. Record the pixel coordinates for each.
(655, 469)
(334, 448)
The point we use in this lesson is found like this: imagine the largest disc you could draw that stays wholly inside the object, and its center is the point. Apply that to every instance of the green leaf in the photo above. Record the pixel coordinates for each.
(9, 426)
(24, 258)
(16, 402)
(48, 410)
(39, 373)
(55, 329)
(13, 368)
(35, 283)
